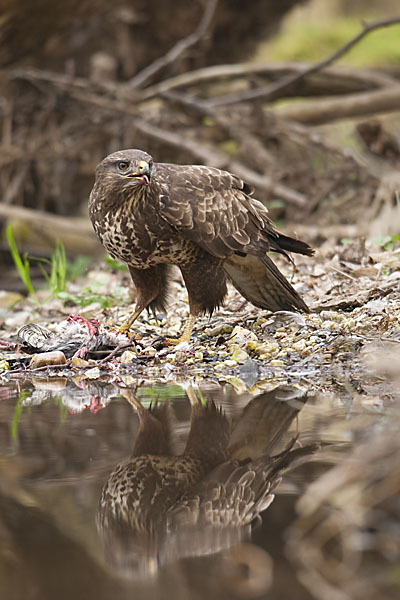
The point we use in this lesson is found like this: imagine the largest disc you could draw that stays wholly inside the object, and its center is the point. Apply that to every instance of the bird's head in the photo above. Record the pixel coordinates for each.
(131, 167)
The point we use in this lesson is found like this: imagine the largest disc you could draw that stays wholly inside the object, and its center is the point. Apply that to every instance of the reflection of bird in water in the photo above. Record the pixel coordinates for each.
(156, 506)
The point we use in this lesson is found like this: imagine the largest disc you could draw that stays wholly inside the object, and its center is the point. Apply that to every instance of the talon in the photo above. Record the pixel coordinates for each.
(171, 341)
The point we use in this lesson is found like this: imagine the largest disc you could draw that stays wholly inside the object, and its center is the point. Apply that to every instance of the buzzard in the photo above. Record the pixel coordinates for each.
(203, 220)
(156, 505)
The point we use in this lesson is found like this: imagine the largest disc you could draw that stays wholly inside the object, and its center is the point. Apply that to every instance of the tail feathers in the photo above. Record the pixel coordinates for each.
(289, 244)
(260, 281)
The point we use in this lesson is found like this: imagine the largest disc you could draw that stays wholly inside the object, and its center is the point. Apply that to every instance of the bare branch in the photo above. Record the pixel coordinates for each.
(326, 110)
(263, 182)
(270, 91)
(347, 77)
(200, 151)
(176, 51)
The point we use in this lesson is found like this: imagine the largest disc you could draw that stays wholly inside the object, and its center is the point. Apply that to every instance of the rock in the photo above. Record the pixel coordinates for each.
(241, 336)
(127, 357)
(47, 358)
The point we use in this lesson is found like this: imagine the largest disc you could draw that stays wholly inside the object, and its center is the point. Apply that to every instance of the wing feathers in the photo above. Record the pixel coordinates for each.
(261, 282)
(213, 208)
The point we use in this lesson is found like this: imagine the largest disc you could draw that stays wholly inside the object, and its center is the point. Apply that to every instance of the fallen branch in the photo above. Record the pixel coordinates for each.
(76, 233)
(327, 110)
(270, 92)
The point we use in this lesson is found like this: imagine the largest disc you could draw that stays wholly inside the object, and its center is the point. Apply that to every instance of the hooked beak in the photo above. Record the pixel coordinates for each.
(142, 174)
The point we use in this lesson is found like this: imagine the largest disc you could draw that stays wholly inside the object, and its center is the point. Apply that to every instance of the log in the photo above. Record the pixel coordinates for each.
(75, 233)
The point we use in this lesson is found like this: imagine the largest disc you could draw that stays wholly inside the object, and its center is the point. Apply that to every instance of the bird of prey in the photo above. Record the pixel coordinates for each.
(202, 219)
(157, 506)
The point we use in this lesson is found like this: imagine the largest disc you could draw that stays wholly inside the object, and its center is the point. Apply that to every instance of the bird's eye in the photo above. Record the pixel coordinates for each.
(123, 165)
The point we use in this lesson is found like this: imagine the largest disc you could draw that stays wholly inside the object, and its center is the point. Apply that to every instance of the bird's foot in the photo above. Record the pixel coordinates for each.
(129, 334)
(124, 328)
(186, 333)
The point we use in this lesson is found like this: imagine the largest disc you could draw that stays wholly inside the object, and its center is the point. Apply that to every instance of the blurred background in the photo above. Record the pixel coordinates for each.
(81, 79)
(221, 83)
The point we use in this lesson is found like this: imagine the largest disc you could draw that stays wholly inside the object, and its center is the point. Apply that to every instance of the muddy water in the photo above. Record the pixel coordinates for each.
(59, 442)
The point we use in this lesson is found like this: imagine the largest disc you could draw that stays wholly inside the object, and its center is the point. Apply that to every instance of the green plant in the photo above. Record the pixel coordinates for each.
(21, 263)
(311, 39)
(57, 278)
(59, 272)
(94, 293)
(17, 412)
(77, 267)
(387, 242)
(160, 393)
(85, 297)
(118, 265)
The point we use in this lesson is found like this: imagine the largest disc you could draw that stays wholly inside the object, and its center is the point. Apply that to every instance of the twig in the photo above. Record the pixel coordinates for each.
(114, 352)
(14, 186)
(63, 80)
(176, 51)
(269, 92)
(343, 273)
(42, 368)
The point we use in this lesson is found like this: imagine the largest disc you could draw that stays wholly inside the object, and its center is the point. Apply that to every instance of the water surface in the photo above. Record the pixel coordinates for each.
(61, 439)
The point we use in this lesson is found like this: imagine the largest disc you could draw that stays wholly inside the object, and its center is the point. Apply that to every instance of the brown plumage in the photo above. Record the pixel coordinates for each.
(157, 506)
(202, 219)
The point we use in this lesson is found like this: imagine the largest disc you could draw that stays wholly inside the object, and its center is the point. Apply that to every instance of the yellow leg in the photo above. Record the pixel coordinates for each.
(193, 399)
(127, 325)
(133, 400)
(187, 330)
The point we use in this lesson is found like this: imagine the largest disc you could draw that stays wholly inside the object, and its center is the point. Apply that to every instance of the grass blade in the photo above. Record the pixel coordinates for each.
(22, 265)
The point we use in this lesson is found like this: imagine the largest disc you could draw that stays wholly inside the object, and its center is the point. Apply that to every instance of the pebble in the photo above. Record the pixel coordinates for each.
(241, 336)
(79, 362)
(218, 330)
(127, 357)
(287, 318)
(93, 373)
(300, 345)
(230, 363)
(238, 354)
(262, 348)
(16, 320)
(149, 351)
(328, 325)
(275, 362)
(47, 358)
